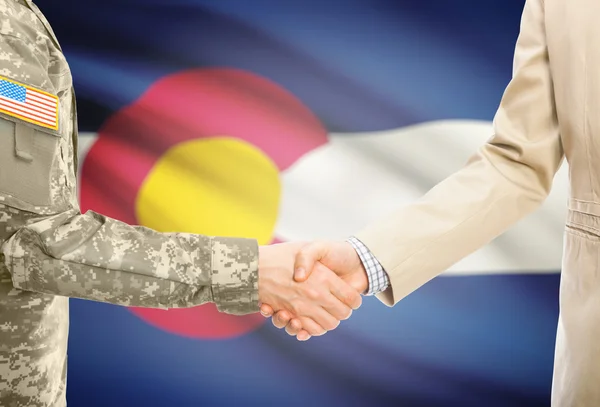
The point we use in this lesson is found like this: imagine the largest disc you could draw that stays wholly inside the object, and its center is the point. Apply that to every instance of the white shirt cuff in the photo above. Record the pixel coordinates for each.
(378, 278)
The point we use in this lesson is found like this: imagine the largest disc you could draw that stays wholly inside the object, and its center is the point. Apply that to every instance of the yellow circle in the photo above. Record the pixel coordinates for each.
(217, 187)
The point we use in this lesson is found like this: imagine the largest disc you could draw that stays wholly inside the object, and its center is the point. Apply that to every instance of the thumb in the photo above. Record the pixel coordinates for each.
(306, 259)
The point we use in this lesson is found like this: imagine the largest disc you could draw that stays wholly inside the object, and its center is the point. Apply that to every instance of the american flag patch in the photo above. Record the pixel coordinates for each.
(29, 104)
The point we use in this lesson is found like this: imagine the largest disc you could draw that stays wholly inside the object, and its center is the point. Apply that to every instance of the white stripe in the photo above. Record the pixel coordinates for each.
(34, 106)
(338, 189)
(12, 109)
(85, 142)
(33, 115)
(26, 107)
(355, 179)
(41, 105)
(41, 96)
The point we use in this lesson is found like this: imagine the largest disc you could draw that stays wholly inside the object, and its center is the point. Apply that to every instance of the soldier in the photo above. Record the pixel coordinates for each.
(51, 251)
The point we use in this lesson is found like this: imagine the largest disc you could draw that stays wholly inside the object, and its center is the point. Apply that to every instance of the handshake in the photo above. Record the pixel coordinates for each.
(310, 288)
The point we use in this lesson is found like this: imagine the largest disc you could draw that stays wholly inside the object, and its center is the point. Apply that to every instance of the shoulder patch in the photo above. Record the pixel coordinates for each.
(28, 104)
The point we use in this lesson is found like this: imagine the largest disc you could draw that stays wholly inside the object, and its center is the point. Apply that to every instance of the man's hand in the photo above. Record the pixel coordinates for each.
(337, 256)
(318, 303)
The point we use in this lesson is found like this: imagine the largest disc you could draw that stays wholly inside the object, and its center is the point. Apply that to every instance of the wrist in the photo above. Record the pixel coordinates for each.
(359, 278)
(362, 280)
(261, 274)
(234, 275)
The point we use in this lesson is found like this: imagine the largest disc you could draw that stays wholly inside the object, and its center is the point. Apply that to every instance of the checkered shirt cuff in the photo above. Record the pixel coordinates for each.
(378, 278)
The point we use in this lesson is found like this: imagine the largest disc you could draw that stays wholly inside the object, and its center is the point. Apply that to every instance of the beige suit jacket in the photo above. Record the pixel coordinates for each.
(550, 110)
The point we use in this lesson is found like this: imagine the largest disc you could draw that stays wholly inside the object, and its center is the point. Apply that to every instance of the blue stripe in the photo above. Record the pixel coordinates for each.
(459, 341)
(361, 66)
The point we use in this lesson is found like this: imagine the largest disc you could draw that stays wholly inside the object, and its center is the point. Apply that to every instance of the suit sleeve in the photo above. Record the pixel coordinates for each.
(508, 178)
(93, 257)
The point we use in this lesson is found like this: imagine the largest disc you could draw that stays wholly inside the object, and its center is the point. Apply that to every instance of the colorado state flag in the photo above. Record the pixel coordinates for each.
(287, 120)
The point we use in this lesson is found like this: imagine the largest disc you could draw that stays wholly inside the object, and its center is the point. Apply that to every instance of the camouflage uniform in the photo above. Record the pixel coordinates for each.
(51, 251)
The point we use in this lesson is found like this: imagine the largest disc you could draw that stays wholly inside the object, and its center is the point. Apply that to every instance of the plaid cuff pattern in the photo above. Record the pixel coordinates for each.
(378, 278)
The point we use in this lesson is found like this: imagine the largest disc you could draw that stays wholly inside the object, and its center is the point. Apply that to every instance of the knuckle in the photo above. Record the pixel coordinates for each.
(306, 253)
(303, 254)
(313, 294)
(298, 306)
(312, 327)
(324, 277)
(350, 298)
(313, 331)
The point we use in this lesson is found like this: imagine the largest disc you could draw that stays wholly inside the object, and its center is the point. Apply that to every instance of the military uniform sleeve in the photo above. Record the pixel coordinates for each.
(508, 178)
(93, 257)
(48, 245)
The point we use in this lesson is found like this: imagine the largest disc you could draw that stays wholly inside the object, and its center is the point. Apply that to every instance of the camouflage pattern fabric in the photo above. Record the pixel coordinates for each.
(51, 251)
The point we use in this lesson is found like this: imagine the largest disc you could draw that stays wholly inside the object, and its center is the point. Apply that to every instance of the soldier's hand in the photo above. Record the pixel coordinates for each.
(338, 256)
(318, 304)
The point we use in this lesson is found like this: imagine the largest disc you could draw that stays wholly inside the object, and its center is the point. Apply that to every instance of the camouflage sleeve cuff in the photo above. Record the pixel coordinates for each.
(235, 275)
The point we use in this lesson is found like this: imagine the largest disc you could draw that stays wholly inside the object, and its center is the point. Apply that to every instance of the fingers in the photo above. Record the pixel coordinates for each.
(303, 336)
(309, 307)
(303, 328)
(345, 293)
(306, 259)
(324, 319)
(266, 310)
(337, 309)
(281, 319)
(311, 327)
(294, 327)
(313, 307)
(326, 299)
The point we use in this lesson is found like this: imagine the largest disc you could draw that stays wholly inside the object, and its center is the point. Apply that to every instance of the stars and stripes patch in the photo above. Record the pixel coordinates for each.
(28, 104)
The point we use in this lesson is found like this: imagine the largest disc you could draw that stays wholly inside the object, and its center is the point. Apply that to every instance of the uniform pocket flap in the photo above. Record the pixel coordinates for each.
(28, 164)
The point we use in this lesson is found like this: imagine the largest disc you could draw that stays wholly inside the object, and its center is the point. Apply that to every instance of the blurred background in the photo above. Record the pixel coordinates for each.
(302, 119)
